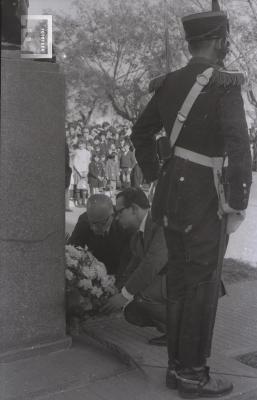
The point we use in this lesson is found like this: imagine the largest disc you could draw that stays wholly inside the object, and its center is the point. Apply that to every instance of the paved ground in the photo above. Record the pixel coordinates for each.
(235, 334)
(243, 243)
(90, 371)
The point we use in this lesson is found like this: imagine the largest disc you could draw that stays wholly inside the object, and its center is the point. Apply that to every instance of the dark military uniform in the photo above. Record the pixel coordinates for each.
(216, 125)
(186, 200)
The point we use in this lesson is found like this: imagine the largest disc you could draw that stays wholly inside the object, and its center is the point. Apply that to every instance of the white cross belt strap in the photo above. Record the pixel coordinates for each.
(202, 80)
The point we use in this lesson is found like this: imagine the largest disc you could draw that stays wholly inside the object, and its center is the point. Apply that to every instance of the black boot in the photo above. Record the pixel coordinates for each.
(195, 383)
(174, 314)
(196, 330)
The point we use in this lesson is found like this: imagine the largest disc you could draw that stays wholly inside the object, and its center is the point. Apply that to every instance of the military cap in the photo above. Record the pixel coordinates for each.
(206, 25)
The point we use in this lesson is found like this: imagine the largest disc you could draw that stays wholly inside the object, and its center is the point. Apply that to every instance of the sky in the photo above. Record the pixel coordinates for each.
(37, 6)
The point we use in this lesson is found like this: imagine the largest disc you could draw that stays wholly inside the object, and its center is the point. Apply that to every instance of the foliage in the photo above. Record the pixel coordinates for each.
(110, 50)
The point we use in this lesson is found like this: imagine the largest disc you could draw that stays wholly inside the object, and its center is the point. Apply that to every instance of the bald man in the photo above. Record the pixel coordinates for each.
(101, 233)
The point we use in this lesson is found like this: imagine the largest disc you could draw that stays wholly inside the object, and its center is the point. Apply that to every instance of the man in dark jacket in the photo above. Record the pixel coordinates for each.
(143, 282)
(186, 201)
(100, 232)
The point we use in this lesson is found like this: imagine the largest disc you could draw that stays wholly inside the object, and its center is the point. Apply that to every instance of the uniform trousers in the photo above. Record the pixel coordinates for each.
(191, 282)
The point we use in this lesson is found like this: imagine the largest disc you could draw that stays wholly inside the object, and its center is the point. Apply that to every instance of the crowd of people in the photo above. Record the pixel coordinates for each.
(102, 159)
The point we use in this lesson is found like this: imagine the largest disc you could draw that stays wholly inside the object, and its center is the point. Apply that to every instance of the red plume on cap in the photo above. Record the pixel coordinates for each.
(215, 5)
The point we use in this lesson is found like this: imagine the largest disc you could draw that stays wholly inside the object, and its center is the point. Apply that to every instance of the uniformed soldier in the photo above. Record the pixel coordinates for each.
(201, 105)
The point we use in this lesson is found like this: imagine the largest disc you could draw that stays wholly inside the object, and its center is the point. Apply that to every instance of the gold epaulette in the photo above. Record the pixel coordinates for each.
(156, 83)
(225, 78)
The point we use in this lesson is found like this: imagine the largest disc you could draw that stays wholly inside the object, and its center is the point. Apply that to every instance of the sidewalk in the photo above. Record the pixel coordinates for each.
(243, 243)
(89, 372)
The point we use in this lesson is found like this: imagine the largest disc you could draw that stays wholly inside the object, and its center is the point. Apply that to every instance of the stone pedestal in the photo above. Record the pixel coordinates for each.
(32, 142)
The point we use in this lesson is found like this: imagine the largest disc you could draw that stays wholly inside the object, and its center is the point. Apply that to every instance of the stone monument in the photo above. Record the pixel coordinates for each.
(32, 227)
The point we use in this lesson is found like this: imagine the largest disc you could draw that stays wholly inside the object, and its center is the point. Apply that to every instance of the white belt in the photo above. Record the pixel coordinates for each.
(211, 162)
(216, 163)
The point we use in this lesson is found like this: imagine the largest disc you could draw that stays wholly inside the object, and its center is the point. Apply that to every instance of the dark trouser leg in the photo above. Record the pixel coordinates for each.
(192, 265)
(84, 197)
(175, 292)
(143, 313)
(78, 197)
(149, 308)
(74, 195)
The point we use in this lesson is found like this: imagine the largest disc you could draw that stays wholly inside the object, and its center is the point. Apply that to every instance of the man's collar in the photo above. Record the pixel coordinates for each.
(202, 60)
(142, 225)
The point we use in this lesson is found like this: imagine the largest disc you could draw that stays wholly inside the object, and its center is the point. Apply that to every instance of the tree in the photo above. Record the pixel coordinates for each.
(110, 50)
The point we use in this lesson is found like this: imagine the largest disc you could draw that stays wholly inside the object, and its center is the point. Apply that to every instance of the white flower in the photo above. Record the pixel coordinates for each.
(107, 281)
(100, 270)
(71, 262)
(86, 271)
(69, 275)
(72, 252)
(111, 290)
(96, 291)
(85, 284)
(92, 273)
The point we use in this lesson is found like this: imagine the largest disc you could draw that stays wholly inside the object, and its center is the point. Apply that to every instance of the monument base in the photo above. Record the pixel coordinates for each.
(32, 209)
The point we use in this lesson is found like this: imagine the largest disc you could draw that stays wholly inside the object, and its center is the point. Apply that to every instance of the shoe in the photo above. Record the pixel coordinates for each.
(192, 387)
(171, 379)
(159, 341)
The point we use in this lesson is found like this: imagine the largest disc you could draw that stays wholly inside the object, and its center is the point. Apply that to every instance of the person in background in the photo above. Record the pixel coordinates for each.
(68, 172)
(127, 162)
(136, 176)
(103, 144)
(96, 174)
(112, 173)
(81, 162)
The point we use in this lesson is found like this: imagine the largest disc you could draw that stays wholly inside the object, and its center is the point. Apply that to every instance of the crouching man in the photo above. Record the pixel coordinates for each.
(143, 282)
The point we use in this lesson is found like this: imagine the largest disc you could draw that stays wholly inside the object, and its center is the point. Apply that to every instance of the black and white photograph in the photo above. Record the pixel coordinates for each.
(128, 200)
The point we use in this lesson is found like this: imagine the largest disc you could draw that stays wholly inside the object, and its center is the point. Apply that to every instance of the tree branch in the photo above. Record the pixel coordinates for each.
(118, 110)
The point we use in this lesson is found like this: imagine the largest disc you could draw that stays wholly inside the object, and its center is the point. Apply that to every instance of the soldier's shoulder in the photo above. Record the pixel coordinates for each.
(227, 78)
(158, 82)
